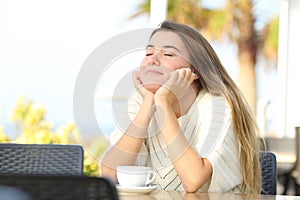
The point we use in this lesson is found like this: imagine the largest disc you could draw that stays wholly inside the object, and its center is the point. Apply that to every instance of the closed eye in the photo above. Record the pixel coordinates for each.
(168, 53)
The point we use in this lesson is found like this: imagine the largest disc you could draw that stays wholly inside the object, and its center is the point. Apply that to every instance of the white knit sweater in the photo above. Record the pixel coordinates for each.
(208, 128)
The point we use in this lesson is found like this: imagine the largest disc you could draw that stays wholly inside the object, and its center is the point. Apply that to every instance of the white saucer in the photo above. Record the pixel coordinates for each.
(136, 190)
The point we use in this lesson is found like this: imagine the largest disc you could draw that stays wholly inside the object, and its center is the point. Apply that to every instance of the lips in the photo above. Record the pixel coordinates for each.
(154, 72)
(153, 77)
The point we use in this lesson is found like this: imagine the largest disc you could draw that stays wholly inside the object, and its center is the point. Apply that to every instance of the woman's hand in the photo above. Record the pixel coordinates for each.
(136, 76)
(178, 85)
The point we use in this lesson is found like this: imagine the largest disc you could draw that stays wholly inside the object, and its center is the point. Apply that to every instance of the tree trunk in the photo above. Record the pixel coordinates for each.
(247, 80)
(247, 50)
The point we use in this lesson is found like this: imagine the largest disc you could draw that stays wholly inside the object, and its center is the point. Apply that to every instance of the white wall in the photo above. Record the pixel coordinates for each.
(292, 101)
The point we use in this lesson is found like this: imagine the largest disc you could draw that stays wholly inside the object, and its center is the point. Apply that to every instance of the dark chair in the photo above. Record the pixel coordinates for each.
(41, 159)
(58, 187)
(269, 172)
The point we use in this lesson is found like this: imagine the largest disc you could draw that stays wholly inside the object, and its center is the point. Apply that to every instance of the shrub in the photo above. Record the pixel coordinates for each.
(35, 129)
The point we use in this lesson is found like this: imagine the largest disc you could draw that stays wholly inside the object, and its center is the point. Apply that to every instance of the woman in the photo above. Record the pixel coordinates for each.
(190, 122)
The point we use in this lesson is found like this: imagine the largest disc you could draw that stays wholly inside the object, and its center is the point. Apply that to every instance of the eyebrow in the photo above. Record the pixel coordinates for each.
(165, 46)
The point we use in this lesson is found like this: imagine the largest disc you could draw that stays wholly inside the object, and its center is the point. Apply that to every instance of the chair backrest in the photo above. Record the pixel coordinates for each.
(60, 187)
(41, 159)
(269, 172)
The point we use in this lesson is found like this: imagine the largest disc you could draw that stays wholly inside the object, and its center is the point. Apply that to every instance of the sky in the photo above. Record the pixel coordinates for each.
(43, 45)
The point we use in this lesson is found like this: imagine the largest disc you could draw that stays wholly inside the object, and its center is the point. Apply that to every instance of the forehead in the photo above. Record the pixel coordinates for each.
(168, 38)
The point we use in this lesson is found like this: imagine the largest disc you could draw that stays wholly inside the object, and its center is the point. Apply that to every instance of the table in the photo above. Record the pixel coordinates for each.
(176, 195)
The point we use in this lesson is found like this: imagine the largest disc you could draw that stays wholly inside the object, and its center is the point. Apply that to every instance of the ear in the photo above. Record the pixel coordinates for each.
(194, 72)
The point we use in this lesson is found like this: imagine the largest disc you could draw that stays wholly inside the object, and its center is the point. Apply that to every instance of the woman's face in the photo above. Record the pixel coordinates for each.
(165, 52)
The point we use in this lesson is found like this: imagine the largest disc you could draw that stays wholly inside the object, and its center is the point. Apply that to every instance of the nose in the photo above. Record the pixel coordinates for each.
(154, 60)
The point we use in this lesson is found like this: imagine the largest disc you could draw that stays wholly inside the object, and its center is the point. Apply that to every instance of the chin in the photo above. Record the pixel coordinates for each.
(152, 87)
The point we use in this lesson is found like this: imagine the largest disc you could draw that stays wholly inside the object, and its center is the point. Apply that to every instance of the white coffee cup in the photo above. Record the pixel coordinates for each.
(135, 176)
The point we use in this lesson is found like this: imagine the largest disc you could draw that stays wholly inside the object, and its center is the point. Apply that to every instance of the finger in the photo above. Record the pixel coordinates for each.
(185, 76)
(194, 76)
(174, 75)
(136, 79)
(178, 75)
(190, 76)
(188, 73)
(173, 78)
(185, 72)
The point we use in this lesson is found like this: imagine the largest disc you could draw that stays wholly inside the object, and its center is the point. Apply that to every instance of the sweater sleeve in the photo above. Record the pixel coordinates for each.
(126, 115)
(218, 143)
(124, 119)
(227, 174)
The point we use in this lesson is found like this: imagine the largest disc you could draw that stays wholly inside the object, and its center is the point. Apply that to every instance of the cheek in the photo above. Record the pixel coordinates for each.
(178, 65)
(143, 65)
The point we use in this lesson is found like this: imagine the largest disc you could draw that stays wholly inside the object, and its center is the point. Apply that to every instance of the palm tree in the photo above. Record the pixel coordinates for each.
(236, 20)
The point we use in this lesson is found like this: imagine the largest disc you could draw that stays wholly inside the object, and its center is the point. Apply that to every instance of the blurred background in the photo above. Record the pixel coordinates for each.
(43, 45)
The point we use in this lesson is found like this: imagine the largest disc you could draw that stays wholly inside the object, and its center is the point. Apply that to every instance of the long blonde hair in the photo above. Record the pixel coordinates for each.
(214, 78)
